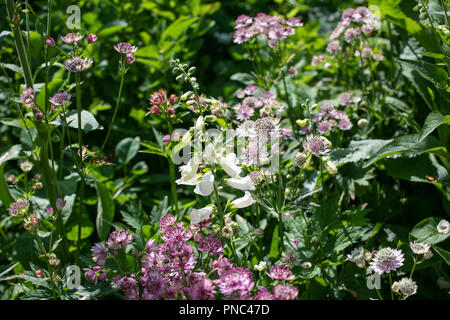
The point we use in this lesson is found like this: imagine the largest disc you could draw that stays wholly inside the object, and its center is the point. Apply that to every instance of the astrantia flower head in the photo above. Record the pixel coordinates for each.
(282, 292)
(72, 38)
(60, 98)
(92, 38)
(290, 257)
(387, 260)
(78, 64)
(125, 47)
(158, 98)
(243, 21)
(281, 272)
(357, 256)
(27, 97)
(315, 145)
(130, 58)
(419, 247)
(119, 239)
(99, 253)
(407, 287)
(236, 282)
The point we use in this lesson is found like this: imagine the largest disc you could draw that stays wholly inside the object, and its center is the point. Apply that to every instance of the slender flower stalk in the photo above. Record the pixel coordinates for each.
(122, 79)
(81, 166)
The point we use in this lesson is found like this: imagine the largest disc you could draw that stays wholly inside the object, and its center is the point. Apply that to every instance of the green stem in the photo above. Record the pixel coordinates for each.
(413, 268)
(81, 167)
(390, 286)
(20, 46)
(115, 110)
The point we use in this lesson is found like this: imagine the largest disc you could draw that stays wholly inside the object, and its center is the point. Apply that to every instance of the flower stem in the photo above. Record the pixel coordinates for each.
(81, 167)
(115, 110)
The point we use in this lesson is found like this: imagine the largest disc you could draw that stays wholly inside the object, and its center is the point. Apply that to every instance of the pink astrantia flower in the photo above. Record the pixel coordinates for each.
(119, 239)
(60, 98)
(78, 64)
(125, 47)
(99, 253)
(334, 47)
(243, 21)
(281, 272)
(72, 38)
(263, 294)
(167, 221)
(27, 97)
(251, 89)
(159, 97)
(282, 292)
(236, 282)
(244, 112)
(129, 286)
(316, 146)
(294, 22)
(387, 260)
(252, 102)
(210, 244)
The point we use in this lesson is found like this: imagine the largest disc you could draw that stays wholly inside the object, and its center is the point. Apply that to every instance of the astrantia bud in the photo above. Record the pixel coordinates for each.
(26, 166)
(227, 232)
(363, 123)
(92, 38)
(306, 265)
(50, 42)
(60, 203)
(173, 99)
(302, 122)
(300, 159)
(39, 116)
(130, 58)
(443, 227)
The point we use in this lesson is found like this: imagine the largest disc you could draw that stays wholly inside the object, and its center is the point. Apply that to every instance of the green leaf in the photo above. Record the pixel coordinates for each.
(105, 210)
(88, 121)
(127, 149)
(87, 227)
(111, 28)
(417, 169)
(159, 211)
(408, 145)
(357, 150)
(432, 73)
(426, 231)
(152, 148)
(273, 253)
(350, 174)
(176, 28)
(443, 253)
(434, 120)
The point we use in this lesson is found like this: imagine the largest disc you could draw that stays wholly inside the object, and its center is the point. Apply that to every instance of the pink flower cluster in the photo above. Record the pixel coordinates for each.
(167, 270)
(160, 103)
(272, 28)
(354, 23)
(253, 99)
(326, 119)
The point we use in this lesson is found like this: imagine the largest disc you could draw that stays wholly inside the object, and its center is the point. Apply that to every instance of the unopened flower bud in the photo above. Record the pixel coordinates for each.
(50, 42)
(60, 203)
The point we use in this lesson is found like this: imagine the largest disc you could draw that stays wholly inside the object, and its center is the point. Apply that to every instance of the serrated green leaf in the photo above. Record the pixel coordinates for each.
(434, 120)
(88, 121)
(426, 231)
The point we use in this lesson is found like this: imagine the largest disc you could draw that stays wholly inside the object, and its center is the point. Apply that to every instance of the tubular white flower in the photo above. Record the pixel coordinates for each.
(243, 202)
(190, 169)
(190, 182)
(198, 215)
(209, 154)
(229, 165)
(206, 186)
(243, 184)
(199, 123)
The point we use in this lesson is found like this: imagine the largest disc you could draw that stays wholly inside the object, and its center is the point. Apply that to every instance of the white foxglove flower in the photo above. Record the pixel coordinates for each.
(206, 186)
(190, 169)
(186, 137)
(190, 182)
(243, 202)
(198, 215)
(210, 153)
(229, 165)
(199, 123)
(243, 184)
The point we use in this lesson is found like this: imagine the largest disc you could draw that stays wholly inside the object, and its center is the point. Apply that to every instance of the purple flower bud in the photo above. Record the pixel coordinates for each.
(60, 203)
(50, 211)
(166, 139)
(50, 42)
(102, 277)
(90, 275)
(39, 116)
(39, 273)
(97, 268)
(130, 58)
(92, 38)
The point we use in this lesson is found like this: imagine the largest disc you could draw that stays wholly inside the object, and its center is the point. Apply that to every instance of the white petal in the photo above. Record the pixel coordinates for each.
(206, 186)
(228, 164)
(243, 184)
(243, 202)
(195, 180)
(199, 215)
